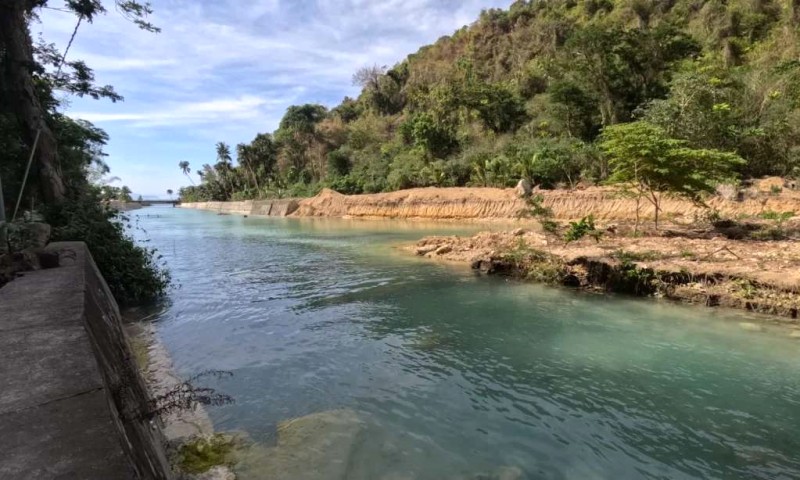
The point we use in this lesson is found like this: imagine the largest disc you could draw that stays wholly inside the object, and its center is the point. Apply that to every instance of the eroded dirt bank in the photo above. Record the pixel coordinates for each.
(604, 203)
(759, 276)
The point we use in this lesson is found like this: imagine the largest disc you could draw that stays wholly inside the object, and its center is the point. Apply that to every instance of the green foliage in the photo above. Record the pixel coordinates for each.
(423, 131)
(643, 159)
(627, 256)
(525, 92)
(535, 265)
(133, 272)
(534, 208)
(630, 279)
(778, 217)
(581, 228)
(201, 454)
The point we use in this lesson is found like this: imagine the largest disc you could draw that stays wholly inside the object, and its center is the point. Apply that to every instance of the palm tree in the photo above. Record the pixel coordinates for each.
(169, 192)
(244, 154)
(184, 166)
(224, 166)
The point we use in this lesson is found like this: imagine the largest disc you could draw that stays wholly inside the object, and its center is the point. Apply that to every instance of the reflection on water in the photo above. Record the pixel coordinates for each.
(452, 374)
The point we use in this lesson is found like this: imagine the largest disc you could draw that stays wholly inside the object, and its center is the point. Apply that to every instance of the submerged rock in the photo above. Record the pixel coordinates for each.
(751, 327)
(444, 249)
(426, 249)
(22, 236)
(315, 447)
(216, 473)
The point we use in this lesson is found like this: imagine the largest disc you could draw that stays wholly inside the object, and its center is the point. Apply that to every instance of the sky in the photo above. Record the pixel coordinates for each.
(225, 70)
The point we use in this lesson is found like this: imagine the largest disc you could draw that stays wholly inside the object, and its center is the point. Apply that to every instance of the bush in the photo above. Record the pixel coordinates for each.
(580, 229)
(348, 184)
(132, 272)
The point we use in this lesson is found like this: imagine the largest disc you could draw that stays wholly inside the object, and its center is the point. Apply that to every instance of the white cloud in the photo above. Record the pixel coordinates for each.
(219, 110)
(232, 67)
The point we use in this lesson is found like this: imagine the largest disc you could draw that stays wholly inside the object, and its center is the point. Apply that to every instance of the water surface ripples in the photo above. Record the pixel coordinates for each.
(460, 374)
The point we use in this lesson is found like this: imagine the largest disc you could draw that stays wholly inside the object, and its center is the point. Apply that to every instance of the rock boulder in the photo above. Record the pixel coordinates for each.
(28, 235)
(523, 188)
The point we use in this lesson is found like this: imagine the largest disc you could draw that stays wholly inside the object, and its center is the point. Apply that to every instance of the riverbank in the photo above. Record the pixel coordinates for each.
(185, 428)
(738, 251)
(482, 204)
(758, 276)
(72, 405)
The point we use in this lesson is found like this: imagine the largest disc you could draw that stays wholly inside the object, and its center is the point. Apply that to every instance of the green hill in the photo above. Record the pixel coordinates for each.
(525, 92)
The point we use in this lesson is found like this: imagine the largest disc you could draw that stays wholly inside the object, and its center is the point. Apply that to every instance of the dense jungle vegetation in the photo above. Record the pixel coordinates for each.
(528, 92)
(65, 186)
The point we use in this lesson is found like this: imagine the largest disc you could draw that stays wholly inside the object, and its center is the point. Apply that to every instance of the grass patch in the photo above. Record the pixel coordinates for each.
(534, 264)
(203, 453)
(626, 256)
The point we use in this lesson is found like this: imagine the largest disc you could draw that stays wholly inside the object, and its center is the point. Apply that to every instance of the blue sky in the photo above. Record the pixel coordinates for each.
(225, 70)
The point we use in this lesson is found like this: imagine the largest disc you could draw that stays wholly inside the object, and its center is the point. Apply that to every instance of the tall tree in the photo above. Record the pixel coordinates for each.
(186, 169)
(224, 166)
(21, 75)
(245, 157)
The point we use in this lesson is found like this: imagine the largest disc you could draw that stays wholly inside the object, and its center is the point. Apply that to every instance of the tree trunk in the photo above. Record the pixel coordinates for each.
(17, 65)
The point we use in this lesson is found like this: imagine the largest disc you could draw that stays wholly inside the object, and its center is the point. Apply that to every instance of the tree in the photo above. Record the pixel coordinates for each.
(223, 166)
(245, 157)
(296, 134)
(264, 154)
(169, 192)
(125, 194)
(184, 166)
(648, 164)
(24, 79)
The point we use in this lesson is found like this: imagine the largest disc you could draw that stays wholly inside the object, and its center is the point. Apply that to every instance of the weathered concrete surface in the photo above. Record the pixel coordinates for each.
(257, 208)
(61, 352)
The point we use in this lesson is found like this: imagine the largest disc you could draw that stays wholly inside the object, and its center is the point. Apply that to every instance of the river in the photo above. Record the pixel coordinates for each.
(455, 374)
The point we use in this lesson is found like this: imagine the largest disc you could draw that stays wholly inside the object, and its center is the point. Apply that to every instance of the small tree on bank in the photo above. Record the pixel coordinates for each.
(647, 164)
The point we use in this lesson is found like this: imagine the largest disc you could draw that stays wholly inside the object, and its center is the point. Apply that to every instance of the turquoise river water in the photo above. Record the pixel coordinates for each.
(457, 374)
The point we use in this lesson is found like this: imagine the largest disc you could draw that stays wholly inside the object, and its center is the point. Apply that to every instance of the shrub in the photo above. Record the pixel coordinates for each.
(580, 229)
(777, 217)
(133, 272)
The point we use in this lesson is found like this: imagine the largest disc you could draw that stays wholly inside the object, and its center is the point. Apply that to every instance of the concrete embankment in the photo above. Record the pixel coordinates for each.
(603, 203)
(260, 208)
(73, 403)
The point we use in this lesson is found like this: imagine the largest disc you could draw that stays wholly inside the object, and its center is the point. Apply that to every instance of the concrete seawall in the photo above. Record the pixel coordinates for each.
(72, 398)
(258, 208)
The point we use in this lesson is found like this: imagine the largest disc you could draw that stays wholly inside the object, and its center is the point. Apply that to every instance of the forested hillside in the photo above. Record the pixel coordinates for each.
(527, 92)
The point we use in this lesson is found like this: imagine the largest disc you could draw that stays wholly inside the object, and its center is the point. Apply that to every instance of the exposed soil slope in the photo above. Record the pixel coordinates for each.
(493, 203)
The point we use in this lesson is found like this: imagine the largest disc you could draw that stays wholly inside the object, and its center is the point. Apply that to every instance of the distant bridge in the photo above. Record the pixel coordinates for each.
(146, 203)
